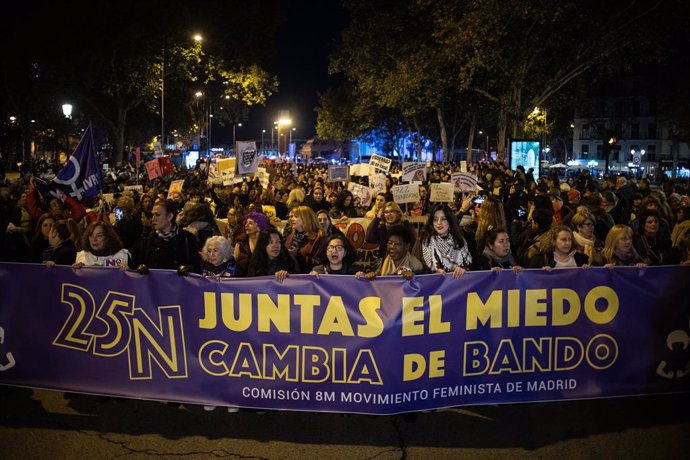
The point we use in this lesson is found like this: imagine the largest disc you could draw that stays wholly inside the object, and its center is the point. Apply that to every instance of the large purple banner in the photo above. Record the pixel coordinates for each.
(340, 344)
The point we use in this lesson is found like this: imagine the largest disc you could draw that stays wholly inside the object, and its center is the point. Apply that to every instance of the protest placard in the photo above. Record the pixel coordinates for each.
(464, 182)
(263, 176)
(175, 187)
(153, 169)
(359, 169)
(247, 156)
(338, 173)
(380, 162)
(377, 183)
(136, 188)
(226, 170)
(360, 192)
(407, 193)
(413, 172)
(441, 193)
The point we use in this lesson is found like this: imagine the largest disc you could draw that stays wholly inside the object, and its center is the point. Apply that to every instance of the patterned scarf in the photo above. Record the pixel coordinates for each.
(170, 235)
(443, 253)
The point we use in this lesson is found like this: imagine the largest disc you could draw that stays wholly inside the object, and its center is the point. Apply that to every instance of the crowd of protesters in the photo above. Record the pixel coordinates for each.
(514, 220)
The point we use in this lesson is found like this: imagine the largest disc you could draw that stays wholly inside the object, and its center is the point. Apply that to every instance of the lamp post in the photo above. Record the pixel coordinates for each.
(198, 95)
(67, 112)
(283, 121)
(263, 132)
(486, 151)
(234, 140)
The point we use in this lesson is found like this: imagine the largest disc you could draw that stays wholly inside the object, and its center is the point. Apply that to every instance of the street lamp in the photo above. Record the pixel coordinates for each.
(291, 131)
(67, 110)
(486, 151)
(234, 142)
(263, 132)
(282, 121)
(198, 96)
(197, 38)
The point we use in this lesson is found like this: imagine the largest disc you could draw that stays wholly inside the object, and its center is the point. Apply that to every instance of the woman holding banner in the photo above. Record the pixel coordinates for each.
(442, 246)
(340, 258)
(497, 254)
(559, 251)
(399, 260)
(102, 248)
(271, 257)
(618, 250)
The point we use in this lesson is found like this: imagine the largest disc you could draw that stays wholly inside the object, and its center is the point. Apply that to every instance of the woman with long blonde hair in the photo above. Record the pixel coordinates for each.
(490, 215)
(306, 242)
(618, 249)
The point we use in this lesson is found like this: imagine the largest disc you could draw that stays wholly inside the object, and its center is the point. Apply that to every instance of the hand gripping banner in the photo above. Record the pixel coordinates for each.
(340, 344)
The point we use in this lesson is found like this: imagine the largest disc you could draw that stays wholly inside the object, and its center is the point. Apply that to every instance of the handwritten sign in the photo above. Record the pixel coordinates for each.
(380, 162)
(441, 193)
(359, 169)
(408, 193)
(226, 170)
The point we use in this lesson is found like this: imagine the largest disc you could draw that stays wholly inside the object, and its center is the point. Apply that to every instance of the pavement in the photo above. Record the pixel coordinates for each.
(39, 424)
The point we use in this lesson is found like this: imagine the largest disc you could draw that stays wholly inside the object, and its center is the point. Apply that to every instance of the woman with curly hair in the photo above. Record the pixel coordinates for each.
(559, 251)
(245, 244)
(345, 206)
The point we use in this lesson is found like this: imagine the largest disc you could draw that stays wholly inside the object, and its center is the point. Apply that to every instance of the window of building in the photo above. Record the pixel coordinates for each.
(619, 109)
(585, 150)
(651, 153)
(651, 131)
(585, 131)
(635, 131)
(635, 108)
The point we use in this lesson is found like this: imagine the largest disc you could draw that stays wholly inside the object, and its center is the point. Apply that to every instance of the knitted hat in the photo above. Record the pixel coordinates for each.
(564, 187)
(573, 194)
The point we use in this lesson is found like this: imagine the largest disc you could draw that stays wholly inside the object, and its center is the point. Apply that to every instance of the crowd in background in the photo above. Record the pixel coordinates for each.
(290, 226)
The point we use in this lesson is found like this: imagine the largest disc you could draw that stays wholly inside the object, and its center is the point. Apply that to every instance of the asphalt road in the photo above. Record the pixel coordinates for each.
(37, 424)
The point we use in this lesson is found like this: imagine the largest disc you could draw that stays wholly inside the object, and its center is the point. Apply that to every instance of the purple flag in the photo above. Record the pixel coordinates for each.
(81, 175)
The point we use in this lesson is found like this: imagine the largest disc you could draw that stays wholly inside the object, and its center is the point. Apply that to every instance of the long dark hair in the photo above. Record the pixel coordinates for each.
(454, 229)
(259, 263)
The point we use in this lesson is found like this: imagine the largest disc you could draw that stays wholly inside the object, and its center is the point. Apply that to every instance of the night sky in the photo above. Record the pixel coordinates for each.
(304, 42)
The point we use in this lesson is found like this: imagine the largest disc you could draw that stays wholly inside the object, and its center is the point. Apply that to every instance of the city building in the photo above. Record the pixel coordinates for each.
(623, 120)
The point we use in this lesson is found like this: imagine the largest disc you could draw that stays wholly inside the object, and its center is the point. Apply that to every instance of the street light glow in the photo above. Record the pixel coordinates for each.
(67, 110)
(198, 37)
(284, 121)
(198, 94)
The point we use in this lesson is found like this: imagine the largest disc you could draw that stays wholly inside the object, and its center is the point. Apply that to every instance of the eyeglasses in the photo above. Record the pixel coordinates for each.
(337, 247)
